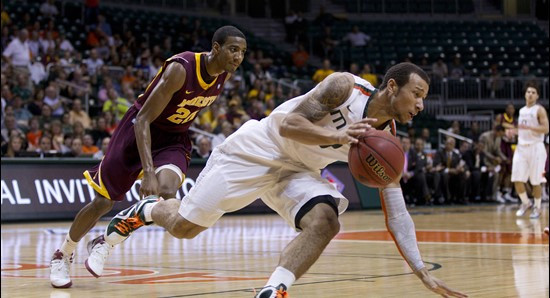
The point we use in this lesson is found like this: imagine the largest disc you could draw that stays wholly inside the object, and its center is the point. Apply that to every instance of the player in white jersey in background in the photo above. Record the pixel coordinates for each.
(530, 155)
(279, 159)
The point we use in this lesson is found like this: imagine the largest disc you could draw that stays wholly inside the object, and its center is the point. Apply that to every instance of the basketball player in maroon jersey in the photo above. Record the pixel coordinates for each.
(152, 139)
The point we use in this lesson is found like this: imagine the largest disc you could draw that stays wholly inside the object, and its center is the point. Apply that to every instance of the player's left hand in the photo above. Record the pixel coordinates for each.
(358, 129)
(437, 286)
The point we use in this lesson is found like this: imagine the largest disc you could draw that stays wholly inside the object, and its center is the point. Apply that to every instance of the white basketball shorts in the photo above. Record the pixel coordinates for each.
(528, 163)
(232, 181)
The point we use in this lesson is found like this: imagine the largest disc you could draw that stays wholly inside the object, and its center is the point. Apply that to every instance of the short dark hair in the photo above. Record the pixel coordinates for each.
(499, 127)
(221, 35)
(401, 73)
(531, 84)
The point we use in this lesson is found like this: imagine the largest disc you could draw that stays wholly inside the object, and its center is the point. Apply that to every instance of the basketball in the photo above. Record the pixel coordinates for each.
(377, 159)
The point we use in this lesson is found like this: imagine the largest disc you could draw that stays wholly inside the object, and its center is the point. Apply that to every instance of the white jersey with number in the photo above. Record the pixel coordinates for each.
(256, 162)
(315, 157)
(528, 116)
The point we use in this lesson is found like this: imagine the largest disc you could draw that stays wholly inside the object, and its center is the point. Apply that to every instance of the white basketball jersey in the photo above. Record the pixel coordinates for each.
(528, 116)
(316, 157)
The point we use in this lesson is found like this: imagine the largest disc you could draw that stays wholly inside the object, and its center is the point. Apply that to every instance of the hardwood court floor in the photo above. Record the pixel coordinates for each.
(484, 251)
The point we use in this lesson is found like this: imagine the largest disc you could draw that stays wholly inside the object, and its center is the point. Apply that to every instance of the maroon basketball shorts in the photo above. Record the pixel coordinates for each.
(121, 165)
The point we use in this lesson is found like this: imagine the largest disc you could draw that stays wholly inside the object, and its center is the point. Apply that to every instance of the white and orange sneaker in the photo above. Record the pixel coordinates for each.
(273, 292)
(60, 270)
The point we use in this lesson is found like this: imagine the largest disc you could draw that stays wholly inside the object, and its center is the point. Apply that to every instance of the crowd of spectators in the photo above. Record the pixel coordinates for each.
(469, 171)
(58, 100)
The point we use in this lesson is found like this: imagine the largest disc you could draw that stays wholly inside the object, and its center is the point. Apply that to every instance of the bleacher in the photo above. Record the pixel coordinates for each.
(510, 44)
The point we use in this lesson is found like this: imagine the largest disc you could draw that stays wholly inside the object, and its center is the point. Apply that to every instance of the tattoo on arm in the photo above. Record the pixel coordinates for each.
(329, 94)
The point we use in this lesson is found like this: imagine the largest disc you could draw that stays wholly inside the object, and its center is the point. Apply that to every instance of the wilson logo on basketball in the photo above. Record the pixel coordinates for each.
(377, 168)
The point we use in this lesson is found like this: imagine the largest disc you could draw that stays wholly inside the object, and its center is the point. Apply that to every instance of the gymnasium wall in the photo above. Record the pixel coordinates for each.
(54, 189)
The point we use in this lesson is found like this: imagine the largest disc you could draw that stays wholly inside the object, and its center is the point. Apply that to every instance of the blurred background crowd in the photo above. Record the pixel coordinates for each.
(71, 69)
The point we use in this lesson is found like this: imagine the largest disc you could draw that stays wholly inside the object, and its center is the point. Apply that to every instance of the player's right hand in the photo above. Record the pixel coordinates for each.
(149, 185)
(355, 130)
(437, 286)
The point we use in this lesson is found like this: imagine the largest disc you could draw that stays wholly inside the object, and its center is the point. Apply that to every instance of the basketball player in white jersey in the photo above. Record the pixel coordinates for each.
(279, 159)
(530, 155)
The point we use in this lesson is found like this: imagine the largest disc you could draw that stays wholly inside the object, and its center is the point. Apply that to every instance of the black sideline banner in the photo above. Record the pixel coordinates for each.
(53, 189)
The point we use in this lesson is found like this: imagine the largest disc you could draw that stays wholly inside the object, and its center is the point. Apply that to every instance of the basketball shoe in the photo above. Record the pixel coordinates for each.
(535, 213)
(60, 270)
(99, 250)
(523, 208)
(273, 292)
(118, 230)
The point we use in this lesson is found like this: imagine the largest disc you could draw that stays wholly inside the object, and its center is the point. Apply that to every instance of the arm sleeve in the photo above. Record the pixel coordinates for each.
(401, 227)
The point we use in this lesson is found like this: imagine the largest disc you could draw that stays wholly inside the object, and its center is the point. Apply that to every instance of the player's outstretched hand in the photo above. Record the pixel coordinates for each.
(437, 286)
(149, 185)
(357, 129)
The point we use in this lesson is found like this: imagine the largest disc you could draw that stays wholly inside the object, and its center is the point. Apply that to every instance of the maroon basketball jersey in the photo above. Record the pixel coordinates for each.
(186, 103)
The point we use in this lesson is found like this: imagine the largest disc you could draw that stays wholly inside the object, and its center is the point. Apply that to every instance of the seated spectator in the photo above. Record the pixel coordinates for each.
(473, 133)
(116, 104)
(300, 56)
(46, 117)
(354, 68)
(66, 146)
(366, 74)
(104, 145)
(204, 148)
(452, 171)
(457, 69)
(13, 147)
(322, 73)
(455, 127)
(48, 9)
(425, 136)
(23, 87)
(45, 148)
(38, 71)
(110, 121)
(10, 125)
(53, 100)
(357, 38)
(479, 172)
(439, 68)
(78, 130)
(78, 114)
(58, 137)
(76, 148)
(99, 132)
(34, 133)
(22, 115)
(259, 74)
(82, 86)
(88, 146)
(93, 62)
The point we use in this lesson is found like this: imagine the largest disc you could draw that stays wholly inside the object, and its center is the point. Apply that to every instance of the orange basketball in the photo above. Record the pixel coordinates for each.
(377, 159)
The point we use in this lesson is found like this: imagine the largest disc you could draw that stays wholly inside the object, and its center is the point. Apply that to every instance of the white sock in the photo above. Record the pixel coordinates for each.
(68, 246)
(524, 198)
(147, 210)
(537, 202)
(281, 276)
